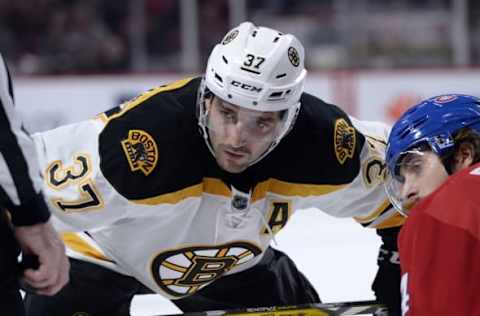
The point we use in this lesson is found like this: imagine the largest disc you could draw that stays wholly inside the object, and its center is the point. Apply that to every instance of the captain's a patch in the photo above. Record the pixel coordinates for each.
(345, 140)
(141, 151)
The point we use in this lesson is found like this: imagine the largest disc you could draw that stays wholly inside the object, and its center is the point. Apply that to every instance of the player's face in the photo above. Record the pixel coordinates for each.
(239, 136)
(421, 174)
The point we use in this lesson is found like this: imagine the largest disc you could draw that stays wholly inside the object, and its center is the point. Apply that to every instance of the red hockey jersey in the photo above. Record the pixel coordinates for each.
(440, 250)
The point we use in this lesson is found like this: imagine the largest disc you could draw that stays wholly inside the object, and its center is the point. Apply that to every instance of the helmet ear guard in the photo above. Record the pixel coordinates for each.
(259, 69)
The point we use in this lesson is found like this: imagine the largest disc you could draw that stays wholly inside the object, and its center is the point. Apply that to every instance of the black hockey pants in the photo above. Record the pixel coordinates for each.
(10, 299)
(97, 291)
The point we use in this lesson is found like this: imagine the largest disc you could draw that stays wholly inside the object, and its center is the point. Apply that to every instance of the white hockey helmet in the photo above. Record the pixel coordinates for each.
(256, 68)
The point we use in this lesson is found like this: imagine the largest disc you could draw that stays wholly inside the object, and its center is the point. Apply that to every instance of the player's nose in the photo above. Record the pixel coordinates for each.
(409, 189)
(237, 134)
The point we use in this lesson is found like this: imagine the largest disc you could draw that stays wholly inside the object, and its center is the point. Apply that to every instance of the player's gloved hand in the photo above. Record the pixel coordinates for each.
(387, 281)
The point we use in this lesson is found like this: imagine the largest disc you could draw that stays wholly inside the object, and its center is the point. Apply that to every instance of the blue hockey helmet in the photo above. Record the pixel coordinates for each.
(432, 123)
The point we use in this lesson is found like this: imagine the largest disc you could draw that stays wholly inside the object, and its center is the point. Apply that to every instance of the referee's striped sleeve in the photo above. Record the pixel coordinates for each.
(19, 173)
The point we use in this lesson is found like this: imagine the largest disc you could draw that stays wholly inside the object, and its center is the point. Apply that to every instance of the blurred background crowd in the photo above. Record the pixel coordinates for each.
(144, 43)
(141, 36)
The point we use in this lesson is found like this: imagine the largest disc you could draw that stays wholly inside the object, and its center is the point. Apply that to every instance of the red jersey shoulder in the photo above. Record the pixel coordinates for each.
(461, 186)
(465, 180)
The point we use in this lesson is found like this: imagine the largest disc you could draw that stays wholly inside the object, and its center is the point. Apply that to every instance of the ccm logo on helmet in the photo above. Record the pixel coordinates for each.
(245, 86)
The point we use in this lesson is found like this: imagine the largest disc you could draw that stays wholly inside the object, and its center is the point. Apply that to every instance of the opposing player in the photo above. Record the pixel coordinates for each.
(434, 177)
(181, 190)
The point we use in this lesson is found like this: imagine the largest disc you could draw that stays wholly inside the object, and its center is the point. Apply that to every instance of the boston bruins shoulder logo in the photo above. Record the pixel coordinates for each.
(182, 272)
(141, 151)
(344, 140)
(230, 37)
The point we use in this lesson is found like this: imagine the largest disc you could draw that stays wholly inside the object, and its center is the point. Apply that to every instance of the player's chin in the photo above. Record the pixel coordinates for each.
(233, 165)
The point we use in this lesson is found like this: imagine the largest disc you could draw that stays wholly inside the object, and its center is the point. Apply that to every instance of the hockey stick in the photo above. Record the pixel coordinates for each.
(322, 309)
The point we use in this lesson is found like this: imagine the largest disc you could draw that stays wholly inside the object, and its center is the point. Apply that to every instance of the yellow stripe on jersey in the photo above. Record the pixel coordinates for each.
(172, 198)
(289, 310)
(193, 289)
(102, 117)
(169, 282)
(223, 252)
(383, 217)
(190, 255)
(370, 217)
(292, 189)
(394, 221)
(74, 242)
(218, 187)
(209, 185)
(144, 96)
(174, 267)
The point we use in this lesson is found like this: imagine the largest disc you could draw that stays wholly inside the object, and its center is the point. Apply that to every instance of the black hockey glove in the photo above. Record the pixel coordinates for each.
(387, 281)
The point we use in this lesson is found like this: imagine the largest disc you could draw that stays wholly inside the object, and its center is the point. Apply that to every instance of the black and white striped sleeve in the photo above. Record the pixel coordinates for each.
(19, 173)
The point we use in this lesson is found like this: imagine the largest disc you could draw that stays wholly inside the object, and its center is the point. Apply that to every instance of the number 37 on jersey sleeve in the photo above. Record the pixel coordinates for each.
(73, 183)
(78, 174)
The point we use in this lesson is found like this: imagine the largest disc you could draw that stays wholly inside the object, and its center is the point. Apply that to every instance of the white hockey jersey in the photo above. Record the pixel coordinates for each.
(137, 190)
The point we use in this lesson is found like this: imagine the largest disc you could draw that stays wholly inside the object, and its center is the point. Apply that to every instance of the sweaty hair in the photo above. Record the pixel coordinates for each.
(464, 135)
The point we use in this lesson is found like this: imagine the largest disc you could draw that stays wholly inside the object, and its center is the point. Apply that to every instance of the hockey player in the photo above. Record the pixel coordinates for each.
(181, 190)
(27, 226)
(434, 177)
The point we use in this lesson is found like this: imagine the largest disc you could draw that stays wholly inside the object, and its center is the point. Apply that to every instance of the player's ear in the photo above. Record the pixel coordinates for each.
(209, 101)
(464, 156)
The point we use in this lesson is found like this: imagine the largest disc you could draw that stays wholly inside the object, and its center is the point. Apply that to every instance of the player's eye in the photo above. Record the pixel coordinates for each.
(264, 124)
(414, 165)
(227, 114)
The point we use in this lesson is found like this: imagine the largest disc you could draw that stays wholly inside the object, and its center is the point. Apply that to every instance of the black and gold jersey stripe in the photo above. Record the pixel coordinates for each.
(305, 162)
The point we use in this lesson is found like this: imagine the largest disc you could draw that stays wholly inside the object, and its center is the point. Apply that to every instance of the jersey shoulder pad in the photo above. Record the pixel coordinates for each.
(323, 146)
(328, 121)
(146, 142)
